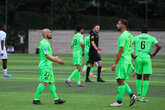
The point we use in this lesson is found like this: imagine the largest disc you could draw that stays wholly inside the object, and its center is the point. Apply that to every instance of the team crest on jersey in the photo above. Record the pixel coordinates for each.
(45, 49)
(92, 37)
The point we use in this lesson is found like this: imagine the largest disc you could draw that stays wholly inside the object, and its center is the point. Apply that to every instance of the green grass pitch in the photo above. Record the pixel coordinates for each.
(17, 92)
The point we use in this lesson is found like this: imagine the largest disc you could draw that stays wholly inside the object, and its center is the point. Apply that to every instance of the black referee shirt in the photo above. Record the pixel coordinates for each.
(94, 36)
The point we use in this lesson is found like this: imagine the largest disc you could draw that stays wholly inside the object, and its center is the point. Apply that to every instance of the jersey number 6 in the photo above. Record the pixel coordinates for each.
(143, 45)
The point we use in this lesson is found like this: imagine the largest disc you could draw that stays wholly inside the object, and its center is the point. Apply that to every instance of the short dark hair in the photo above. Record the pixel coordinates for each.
(93, 28)
(144, 29)
(1, 26)
(96, 25)
(78, 28)
(124, 21)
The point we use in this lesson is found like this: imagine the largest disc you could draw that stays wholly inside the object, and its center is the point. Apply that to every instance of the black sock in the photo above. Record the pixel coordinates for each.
(131, 95)
(87, 73)
(99, 72)
(119, 102)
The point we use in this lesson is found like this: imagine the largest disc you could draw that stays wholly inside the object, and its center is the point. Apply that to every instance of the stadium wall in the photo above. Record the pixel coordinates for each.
(61, 42)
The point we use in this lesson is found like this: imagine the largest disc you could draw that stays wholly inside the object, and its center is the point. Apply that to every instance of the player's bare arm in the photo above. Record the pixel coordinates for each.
(94, 45)
(117, 58)
(97, 48)
(82, 45)
(55, 59)
(158, 47)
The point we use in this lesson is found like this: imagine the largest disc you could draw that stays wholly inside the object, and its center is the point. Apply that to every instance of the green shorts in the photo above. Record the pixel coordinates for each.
(143, 65)
(46, 75)
(77, 59)
(123, 69)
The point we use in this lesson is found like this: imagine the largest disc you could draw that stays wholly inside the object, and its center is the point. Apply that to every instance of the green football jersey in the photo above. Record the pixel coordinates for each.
(77, 38)
(125, 40)
(45, 48)
(87, 44)
(143, 44)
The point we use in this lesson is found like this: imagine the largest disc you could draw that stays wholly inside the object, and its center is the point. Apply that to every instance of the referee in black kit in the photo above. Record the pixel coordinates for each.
(94, 54)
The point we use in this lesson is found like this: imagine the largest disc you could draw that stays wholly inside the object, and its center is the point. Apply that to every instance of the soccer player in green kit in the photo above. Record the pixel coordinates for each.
(46, 68)
(143, 64)
(78, 52)
(123, 63)
(87, 46)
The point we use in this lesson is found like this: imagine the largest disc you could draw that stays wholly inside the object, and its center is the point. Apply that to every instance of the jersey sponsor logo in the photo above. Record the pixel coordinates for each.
(92, 37)
(45, 49)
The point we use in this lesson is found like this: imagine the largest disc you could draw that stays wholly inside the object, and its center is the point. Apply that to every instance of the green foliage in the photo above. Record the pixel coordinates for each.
(35, 14)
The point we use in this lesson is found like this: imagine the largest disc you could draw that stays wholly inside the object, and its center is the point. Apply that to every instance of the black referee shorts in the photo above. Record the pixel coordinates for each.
(93, 57)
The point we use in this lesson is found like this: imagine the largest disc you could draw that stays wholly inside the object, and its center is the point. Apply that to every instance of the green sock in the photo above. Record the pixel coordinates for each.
(73, 75)
(78, 77)
(138, 87)
(40, 89)
(52, 90)
(121, 90)
(145, 87)
(91, 70)
(128, 89)
(85, 67)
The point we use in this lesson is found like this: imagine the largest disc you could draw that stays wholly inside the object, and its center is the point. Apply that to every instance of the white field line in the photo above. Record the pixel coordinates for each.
(154, 74)
(63, 79)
